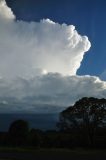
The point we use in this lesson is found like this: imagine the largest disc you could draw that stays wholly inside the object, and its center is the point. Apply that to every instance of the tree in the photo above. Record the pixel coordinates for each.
(85, 115)
(36, 138)
(18, 132)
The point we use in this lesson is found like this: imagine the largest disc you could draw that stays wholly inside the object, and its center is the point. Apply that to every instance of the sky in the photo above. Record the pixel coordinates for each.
(52, 53)
(88, 16)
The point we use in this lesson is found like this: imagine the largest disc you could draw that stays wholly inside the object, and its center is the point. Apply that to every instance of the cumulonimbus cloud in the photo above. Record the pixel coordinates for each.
(44, 45)
(38, 65)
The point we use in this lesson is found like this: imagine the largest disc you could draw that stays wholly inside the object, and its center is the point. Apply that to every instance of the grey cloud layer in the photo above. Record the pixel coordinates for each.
(50, 92)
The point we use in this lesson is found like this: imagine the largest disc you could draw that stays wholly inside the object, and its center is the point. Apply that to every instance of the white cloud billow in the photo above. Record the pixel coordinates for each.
(38, 65)
(45, 45)
(5, 11)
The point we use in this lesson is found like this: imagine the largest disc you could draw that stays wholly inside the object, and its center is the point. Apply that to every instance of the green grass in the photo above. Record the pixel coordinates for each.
(54, 150)
(48, 153)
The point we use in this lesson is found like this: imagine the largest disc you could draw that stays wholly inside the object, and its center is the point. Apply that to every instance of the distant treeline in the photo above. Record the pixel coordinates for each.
(80, 125)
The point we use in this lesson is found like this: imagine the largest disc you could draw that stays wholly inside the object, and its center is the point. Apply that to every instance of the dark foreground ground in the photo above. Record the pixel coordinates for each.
(52, 154)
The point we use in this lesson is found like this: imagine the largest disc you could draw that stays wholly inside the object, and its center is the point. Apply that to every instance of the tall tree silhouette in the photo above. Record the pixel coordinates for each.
(85, 115)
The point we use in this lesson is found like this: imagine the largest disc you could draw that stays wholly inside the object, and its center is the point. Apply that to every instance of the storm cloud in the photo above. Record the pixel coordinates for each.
(38, 65)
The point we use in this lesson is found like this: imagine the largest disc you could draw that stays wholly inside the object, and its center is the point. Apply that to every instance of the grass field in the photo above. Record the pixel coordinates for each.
(51, 154)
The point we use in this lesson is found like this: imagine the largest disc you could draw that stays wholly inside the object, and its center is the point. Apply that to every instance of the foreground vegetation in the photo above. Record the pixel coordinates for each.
(80, 126)
(41, 154)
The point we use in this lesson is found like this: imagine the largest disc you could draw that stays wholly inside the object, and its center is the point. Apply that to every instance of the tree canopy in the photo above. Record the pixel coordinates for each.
(18, 132)
(87, 114)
